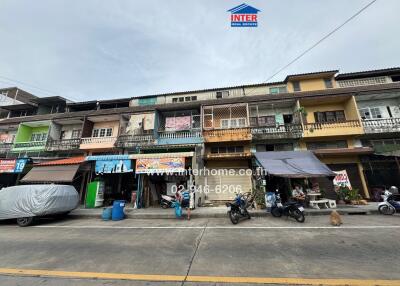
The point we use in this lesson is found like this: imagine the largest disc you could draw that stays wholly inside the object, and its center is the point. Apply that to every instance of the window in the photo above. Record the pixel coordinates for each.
(278, 89)
(370, 113)
(329, 116)
(227, 149)
(296, 86)
(62, 135)
(327, 145)
(181, 99)
(328, 83)
(274, 147)
(225, 123)
(175, 99)
(76, 134)
(194, 98)
(102, 132)
(38, 137)
(266, 121)
(222, 94)
(187, 98)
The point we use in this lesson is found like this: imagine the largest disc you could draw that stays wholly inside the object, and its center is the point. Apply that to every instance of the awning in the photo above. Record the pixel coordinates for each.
(293, 164)
(54, 174)
(67, 161)
(162, 155)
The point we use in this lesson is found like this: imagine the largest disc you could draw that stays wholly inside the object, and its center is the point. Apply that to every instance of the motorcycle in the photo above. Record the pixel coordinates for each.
(389, 205)
(292, 209)
(167, 201)
(238, 207)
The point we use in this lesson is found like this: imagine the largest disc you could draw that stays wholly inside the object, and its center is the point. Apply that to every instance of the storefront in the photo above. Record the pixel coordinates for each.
(162, 174)
(115, 174)
(11, 170)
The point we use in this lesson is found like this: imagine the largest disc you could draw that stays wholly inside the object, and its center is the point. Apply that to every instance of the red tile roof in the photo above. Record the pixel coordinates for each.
(67, 161)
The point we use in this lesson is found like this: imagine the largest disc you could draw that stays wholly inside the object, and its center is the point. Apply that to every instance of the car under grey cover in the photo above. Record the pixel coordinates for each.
(37, 200)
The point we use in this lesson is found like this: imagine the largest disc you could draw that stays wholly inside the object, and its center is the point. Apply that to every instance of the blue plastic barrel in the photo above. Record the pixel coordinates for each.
(107, 214)
(118, 210)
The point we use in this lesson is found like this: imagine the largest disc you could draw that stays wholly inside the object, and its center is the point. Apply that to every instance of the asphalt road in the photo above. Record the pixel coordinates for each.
(364, 248)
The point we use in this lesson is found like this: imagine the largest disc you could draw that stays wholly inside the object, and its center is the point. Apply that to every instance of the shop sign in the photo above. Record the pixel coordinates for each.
(160, 165)
(113, 166)
(341, 179)
(12, 166)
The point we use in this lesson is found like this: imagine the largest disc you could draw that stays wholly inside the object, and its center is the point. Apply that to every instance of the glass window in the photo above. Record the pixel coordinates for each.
(278, 89)
(231, 149)
(187, 98)
(239, 149)
(175, 99)
(376, 112)
(364, 113)
(109, 132)
(95, 133)
(102, 132)
(76, 134)
(340, 115)
(214, 150)
(328, 83)
(194, 98)
(241, 122)
(225, 123)
(222, 94)
(181, 99)
(296, 86)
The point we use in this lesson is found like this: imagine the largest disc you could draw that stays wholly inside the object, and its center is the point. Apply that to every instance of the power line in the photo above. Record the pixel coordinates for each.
(29, 85)
(321, 40)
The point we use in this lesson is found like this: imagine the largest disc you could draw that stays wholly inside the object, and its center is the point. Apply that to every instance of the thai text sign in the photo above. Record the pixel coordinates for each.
(341, 179)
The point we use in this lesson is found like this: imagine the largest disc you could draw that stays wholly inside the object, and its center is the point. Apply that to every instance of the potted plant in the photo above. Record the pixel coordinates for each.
(342, 194)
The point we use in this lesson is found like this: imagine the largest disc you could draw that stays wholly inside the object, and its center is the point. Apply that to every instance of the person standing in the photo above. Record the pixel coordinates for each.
(183, 196)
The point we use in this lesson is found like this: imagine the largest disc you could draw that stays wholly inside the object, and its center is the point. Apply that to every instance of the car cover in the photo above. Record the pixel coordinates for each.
(37, 200)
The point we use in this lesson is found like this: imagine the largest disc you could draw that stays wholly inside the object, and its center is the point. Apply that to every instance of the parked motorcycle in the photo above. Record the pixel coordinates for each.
(389, 205)
(292, 209)
(167, 201)
(238, 207)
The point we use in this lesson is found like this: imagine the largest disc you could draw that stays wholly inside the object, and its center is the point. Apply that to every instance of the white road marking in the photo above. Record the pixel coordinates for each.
(218, 227)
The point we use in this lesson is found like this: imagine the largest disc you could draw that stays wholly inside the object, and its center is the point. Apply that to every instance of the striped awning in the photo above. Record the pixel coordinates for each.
(161, 155)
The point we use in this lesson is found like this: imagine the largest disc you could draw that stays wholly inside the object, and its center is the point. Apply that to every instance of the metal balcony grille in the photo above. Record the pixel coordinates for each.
(225, 116)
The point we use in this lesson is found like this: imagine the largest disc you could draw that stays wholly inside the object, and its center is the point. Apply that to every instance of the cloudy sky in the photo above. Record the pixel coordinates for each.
(111, 49)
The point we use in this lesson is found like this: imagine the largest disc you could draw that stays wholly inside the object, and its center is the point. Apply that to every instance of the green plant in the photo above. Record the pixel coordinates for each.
(302, 111)
(353, 195)
(342, 193)
(259, 196)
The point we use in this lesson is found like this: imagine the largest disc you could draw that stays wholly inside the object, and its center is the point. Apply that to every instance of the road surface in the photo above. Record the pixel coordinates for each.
(202, 252)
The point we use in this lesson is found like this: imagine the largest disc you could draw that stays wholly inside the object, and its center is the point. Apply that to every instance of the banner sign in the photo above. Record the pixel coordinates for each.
(160, 165)
(12, 165)
(341, 179)
(178, 123)
(113, 166)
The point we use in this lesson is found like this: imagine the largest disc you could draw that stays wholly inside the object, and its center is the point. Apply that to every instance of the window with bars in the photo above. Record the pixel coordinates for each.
(76, 134)
(38, 137)
(227, 149)
(330, 116)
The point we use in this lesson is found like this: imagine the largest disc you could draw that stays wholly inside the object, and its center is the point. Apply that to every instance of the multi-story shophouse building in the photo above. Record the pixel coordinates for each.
(145, 146)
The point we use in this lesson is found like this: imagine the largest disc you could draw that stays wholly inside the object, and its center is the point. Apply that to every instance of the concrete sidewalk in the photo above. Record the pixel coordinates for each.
(218, 212)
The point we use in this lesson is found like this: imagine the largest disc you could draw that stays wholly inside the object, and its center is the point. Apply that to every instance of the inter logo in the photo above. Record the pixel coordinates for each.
(244, 16)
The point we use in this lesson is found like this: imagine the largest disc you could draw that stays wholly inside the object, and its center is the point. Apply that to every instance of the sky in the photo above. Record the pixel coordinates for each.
(104, 49)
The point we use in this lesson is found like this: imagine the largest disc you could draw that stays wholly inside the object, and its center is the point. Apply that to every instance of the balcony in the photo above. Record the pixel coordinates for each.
(227, 135)
(5, 147)
(284, 131)
(129, 141)
(383, 125)
(334, 128)
(180, 137)
(63, 144)
(217, 156)
(29, 146)
(88, 143)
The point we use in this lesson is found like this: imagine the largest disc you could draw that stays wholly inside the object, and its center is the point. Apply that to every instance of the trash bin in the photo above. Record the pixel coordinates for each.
(107, 214)
(118, 210)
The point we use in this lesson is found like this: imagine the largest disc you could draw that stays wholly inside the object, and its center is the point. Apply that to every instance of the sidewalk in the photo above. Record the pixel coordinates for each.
(217, 212)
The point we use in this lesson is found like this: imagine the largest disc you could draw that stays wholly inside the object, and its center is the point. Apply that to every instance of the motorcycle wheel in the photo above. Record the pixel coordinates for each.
(299, 216)
(276, 212)
(386, 210)
(234, 217)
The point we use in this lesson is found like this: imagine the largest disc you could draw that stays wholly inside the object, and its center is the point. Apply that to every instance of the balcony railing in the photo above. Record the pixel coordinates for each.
(127, 140)
(180, 134)
(63, 144)
(277, 132)
(333, 124)
(234, 155)
(31, 144)
(382, 125)
(98, 140)
(227, 135)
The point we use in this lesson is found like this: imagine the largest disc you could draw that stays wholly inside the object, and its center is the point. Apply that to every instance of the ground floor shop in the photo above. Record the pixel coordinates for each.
(12, 170)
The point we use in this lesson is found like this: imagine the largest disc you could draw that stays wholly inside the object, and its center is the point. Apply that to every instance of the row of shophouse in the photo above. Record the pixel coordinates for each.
(350, 121)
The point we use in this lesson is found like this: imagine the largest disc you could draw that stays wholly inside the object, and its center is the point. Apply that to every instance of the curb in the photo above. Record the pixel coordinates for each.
(223, 215)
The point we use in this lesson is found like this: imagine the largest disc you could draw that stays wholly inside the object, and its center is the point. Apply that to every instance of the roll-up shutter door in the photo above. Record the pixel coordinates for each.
(222, 186)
